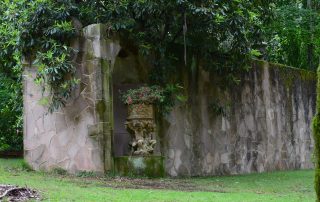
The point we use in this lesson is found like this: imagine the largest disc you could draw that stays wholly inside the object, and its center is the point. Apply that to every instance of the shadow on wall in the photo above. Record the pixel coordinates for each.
(129, 72)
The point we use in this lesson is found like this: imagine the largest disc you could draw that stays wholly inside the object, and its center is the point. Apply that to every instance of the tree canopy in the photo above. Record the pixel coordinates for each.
(193, 31)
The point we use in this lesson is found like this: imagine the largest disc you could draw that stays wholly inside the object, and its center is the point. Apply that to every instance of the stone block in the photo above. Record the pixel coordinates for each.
(149, 166)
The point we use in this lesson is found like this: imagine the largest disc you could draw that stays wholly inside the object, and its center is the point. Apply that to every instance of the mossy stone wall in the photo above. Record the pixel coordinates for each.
(265, 124)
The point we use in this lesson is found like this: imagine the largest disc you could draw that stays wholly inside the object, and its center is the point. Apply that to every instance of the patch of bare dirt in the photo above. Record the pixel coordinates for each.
(17, 194)
(177, 185)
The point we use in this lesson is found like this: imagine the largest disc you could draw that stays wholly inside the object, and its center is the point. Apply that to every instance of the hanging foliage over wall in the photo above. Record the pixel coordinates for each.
(167, 31)
(219, 35)
(46, 35)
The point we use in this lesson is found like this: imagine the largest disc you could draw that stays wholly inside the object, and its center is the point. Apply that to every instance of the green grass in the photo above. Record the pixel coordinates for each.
(278, 186)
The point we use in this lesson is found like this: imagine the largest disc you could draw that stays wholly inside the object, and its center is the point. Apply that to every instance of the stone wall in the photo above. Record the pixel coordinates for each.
(79, 136)
(264, 124)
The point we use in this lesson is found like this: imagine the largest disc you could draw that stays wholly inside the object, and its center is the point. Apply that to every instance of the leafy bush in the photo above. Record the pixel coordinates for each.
(10, 76)
(163, 98)
(143, 95)
(10, 116)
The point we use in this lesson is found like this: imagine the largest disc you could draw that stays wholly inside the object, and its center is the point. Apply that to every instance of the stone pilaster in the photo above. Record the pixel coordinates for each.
(101, 51)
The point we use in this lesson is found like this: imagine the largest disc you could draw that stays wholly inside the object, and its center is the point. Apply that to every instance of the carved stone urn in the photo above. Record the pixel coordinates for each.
(141, 125)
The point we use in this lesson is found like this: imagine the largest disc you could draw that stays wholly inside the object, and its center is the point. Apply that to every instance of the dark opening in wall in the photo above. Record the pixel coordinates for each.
(123, 53)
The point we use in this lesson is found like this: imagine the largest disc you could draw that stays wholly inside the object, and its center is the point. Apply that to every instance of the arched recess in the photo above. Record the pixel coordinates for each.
(129, 71)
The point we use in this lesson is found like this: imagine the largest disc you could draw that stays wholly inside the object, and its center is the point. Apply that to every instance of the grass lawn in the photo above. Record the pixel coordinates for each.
(278, 186)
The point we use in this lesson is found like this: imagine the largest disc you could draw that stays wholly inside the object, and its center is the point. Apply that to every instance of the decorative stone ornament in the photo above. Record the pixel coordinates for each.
(141, 125)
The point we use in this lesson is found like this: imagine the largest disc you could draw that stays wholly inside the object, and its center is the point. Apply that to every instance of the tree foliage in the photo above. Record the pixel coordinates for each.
(46, 35)
(293, 38)
(221, 36)
(10, 115)
(10, 77)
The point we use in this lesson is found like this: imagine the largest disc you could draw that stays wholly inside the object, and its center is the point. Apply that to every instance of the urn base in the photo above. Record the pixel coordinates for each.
(144, 166)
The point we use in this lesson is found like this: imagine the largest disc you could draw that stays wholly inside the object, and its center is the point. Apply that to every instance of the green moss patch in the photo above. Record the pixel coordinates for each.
(288, 74)
(147, 166)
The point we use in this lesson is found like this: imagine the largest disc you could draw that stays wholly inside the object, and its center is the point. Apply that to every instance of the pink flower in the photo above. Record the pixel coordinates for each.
(129, 100)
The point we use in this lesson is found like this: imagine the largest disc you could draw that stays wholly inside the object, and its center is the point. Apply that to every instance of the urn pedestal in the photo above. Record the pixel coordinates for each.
(142, 128)
(141, 125)
(145, 166)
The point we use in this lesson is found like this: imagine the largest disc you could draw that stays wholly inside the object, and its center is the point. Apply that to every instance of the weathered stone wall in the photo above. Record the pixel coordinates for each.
(265, 125)
(79, 136)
